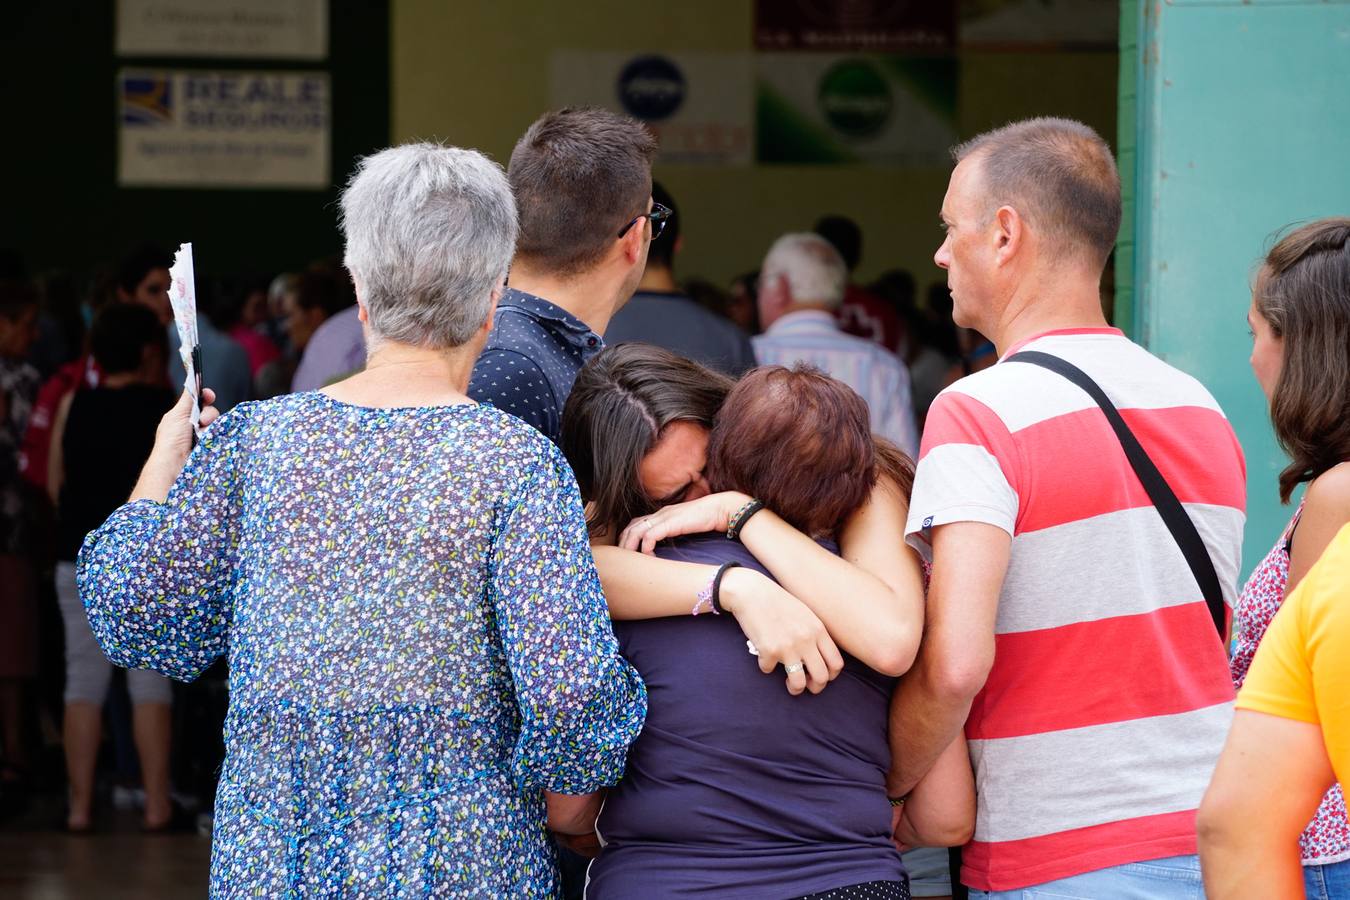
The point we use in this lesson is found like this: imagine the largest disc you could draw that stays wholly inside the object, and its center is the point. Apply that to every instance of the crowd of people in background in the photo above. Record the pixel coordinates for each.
(446, 570)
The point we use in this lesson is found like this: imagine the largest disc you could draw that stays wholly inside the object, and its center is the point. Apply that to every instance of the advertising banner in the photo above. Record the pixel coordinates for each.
(831, 108)
(273, 29)
(698, 104)
(871, 26)
(233, 129)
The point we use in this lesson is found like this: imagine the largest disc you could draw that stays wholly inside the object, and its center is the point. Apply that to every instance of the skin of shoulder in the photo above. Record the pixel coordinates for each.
(1326, 509)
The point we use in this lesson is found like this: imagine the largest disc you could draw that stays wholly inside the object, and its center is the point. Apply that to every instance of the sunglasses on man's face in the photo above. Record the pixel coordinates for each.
(658, 215)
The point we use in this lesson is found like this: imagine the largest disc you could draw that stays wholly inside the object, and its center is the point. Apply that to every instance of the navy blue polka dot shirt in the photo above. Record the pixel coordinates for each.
(531, 360)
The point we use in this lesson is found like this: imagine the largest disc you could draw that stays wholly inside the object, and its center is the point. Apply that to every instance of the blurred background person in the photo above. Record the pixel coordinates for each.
(18, 613)
(327, 331)
(743, 303)
(802, 282)
(661, 313)
(61, 324)
(143, 277)
(104, 434)
(241, 308)
(275, 377)
(862, 312)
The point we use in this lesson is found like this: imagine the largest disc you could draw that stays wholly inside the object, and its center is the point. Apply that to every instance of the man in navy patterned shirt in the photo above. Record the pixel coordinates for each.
(583, 183)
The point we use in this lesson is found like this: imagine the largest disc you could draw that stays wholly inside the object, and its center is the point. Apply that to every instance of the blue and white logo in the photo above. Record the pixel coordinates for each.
(147, 99)
(651, 88)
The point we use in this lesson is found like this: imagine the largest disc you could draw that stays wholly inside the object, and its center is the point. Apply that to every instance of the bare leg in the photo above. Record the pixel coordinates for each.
(151, 725)
(83, 731)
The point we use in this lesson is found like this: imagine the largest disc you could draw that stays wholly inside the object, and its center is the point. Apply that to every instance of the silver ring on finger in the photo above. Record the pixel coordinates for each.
(793, 668)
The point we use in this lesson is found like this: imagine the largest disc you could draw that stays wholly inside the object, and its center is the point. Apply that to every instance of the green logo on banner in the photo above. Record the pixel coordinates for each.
(855, 99)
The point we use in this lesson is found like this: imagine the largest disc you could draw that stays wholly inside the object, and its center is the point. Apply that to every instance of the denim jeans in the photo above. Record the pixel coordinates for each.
(1329, 882)
(1173, 878)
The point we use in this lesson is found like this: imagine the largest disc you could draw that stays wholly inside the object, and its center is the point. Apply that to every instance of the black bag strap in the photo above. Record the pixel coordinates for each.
(1173, 514)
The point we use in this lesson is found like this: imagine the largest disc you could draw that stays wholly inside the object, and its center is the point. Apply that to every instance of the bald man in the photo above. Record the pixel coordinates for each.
(1066, 629)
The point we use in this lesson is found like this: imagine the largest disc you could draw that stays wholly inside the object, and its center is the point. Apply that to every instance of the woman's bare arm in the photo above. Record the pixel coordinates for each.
(56, 455)
(782, 629)
(940, 811)
(573, 813)
(870, 598)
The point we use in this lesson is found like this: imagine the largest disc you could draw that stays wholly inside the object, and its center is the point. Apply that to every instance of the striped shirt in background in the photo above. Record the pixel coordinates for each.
(1109, 699)
(878, 375)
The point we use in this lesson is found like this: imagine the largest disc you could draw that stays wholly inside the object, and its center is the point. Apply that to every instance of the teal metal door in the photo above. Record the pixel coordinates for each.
(1242, 127)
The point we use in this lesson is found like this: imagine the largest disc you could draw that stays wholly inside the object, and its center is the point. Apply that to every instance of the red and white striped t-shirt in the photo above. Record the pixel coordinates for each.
(1109, 699)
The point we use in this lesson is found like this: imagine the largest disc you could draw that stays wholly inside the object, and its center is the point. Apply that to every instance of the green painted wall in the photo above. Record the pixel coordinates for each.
(477, 74)
(1243, 128)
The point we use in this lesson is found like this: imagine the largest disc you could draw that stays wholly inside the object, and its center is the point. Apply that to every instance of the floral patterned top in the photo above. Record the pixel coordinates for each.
(417, 638)
(1327, 839)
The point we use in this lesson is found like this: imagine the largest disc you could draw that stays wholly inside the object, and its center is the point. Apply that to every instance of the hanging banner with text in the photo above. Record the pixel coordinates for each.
(697, 104)
(879, 110)
(864, 26)
(234, 129)
(274, 29)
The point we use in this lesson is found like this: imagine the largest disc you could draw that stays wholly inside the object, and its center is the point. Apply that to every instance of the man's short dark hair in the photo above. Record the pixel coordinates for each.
(140, 263)
(120, 334)
(1059, 175)
(662, 252)
(845, 235)
(579, 176)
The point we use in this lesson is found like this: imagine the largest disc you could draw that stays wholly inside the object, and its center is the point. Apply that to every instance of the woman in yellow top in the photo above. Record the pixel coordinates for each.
(1290, 740)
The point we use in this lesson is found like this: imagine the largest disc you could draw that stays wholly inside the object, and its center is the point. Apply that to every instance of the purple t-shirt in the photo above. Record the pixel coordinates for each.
(735, 788)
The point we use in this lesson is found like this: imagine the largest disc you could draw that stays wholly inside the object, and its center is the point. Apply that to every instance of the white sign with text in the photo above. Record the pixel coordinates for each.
(187, 128)
(257, 29)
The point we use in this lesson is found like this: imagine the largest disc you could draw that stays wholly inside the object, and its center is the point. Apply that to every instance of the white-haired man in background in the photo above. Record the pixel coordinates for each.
(801, 283)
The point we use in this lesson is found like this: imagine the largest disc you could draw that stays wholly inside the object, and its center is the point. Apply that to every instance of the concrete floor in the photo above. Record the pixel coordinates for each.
(117, 862)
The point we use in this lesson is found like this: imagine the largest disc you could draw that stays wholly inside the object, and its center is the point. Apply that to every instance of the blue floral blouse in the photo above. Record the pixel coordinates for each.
(417, 638)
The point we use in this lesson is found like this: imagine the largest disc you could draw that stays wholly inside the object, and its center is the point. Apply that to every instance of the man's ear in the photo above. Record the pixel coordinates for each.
(1009, 233)
(775, 295)
(634, 242)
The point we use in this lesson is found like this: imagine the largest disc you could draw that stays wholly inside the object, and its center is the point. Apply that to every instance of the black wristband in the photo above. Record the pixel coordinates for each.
(717, 585)
(742, 516)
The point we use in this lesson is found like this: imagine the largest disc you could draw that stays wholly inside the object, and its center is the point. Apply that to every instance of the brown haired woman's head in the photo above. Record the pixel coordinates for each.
(1300, 322)
(635, 429)
(797, 440)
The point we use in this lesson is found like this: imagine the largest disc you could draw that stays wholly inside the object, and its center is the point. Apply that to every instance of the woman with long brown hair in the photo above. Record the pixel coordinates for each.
(1300, 326)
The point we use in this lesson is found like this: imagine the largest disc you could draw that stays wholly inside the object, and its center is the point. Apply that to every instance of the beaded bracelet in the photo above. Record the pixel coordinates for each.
(710, 596)
(741, 517)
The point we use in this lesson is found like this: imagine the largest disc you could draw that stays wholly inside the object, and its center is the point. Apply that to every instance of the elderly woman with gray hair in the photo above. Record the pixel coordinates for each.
(422, 672)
